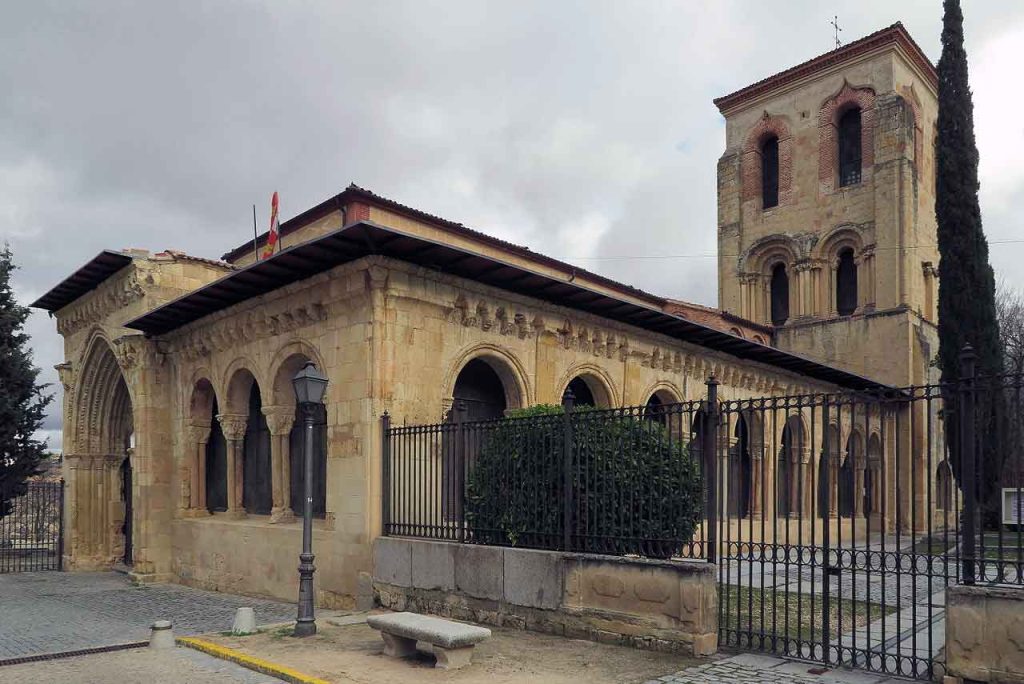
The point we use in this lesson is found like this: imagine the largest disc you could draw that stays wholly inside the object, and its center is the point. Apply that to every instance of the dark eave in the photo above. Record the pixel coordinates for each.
(366, 238)
(355, 194)
(84, 280)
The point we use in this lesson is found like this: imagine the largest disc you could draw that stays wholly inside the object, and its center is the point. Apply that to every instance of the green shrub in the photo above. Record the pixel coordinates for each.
(635, 490)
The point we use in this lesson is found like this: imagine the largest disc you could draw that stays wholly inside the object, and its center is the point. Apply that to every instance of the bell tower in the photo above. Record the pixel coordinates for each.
(826, 196)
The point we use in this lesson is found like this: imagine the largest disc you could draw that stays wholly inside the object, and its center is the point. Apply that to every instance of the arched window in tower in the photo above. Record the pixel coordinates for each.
(780, 294)
(849, 147)
(846, 283)
(770, 173)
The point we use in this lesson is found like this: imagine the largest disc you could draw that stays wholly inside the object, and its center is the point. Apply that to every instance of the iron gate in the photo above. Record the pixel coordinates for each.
(32, 535)
(840, 521)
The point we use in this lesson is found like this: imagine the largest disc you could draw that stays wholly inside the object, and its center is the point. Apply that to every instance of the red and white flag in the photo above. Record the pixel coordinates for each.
(272, 235)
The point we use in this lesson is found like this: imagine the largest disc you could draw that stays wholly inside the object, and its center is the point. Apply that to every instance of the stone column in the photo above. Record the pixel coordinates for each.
(194, 494)
(833, 282)
(795, 473)
(858, 490)
(279, 420)
(833, 486)
(756, 477)
(233, 427)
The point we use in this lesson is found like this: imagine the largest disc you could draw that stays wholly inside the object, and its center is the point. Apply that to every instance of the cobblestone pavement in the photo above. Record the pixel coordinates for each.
(51, 612)
(136, 666)
(760, 669)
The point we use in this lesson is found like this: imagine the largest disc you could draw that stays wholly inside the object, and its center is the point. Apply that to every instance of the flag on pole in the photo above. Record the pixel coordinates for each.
(272, 235)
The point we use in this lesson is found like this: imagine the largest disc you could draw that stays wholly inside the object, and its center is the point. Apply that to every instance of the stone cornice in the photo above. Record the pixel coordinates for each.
(115, 293)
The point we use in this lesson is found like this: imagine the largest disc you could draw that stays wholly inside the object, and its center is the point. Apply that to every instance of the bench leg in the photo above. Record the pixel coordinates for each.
(452, 658)
(398, 647)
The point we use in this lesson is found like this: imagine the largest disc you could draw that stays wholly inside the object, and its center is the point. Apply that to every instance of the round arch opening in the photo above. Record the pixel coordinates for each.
(589, 390)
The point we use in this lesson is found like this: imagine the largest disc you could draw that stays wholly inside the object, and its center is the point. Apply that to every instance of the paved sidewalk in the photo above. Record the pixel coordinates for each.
(135, 666)
(760, 669)
(52, 612)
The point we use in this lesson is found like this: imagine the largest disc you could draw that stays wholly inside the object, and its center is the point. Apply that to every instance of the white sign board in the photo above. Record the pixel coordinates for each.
(1013, 506)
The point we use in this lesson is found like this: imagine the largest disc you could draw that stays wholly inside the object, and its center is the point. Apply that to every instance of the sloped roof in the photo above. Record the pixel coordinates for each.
(84, 280)
(366, 238)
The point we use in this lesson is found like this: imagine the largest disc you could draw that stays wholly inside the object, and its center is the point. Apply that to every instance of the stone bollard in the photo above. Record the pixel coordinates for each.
(245, 622)
(161, 636)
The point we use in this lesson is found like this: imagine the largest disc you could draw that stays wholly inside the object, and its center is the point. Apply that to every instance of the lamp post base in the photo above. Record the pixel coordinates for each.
(304, 629)
(305, 625)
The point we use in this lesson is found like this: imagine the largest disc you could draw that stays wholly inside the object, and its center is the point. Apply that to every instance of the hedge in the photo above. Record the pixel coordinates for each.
(634, 490)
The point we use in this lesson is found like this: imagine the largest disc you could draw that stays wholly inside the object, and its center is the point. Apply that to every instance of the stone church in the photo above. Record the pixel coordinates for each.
(180, 436)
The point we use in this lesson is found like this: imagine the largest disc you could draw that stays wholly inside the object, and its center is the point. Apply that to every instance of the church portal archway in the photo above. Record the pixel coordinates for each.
(102, 488)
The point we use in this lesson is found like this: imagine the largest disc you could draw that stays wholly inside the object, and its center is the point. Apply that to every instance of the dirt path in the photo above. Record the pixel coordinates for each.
(353, 653)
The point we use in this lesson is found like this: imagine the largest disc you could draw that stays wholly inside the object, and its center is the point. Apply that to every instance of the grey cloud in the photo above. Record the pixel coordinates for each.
(579, 129)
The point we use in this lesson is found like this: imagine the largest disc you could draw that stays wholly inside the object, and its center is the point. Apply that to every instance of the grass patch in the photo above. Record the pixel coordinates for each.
(232, 634)
(282, 632)
(934, 546)
(793, 612)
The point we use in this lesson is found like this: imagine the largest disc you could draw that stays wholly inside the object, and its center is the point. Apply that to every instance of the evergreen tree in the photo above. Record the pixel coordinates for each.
(22, 402)
(967, 310)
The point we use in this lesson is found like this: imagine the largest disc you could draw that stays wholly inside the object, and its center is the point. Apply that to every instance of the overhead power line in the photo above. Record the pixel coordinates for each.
(715, 255)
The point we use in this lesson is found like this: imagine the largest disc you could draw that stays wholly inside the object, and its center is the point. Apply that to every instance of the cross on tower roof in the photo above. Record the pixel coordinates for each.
(835, 24)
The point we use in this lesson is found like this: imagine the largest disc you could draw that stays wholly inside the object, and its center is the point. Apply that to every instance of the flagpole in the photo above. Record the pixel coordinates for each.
(255, 247)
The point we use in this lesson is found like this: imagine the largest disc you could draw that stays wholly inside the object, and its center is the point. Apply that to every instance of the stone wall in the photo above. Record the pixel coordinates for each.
(984, 634)
(650, 604)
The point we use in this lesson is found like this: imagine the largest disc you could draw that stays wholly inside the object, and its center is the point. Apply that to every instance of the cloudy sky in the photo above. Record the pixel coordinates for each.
(584, 130)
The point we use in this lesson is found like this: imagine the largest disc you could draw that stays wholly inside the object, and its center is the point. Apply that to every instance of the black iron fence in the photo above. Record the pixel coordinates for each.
(32, 535)
(837, 520)
(617, 481)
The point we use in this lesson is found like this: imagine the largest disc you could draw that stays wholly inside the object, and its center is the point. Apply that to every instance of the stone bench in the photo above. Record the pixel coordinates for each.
(452, 642)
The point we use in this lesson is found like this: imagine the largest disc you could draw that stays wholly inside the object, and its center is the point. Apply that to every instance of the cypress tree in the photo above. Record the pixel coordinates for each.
(967, 310)
(22, 401)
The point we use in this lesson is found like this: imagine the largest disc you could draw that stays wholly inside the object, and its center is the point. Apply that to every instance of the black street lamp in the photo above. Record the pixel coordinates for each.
(310, 387)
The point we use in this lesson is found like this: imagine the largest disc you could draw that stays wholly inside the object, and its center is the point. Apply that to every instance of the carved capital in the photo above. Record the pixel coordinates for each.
(279, 419)
(66, 374)
(198, 433)
(233, 425)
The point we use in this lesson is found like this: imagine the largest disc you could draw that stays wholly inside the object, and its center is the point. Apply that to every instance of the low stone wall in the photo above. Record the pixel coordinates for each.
(651, 604)
(984, 634)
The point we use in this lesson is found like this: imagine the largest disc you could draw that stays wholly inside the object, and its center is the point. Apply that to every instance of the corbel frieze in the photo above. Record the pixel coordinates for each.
(109, 297)
(250, 326)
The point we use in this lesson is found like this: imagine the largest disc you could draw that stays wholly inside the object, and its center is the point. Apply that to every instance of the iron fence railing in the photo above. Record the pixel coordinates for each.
(936, 466)
(32, 534)
(616, 481)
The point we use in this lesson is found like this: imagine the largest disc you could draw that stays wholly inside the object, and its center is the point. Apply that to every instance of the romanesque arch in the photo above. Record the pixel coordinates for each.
(829, 116)
(659, 406)
(851, 477)
(286, 426)
(761, 267)
(767, 129)
(101, 486)
(504, 365)
(248, 443)
(739, 482)
(828, 472)
(591, 386)
(842, 248)
(790, 489)
(205, 466)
